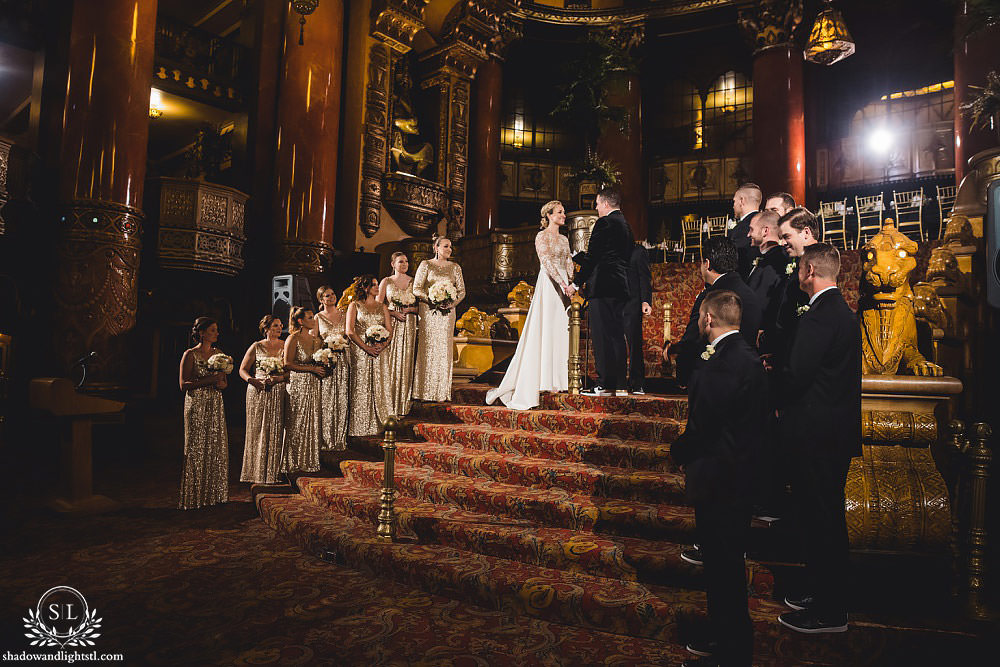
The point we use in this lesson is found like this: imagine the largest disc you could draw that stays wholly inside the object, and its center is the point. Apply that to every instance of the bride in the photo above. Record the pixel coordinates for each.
(540, 361)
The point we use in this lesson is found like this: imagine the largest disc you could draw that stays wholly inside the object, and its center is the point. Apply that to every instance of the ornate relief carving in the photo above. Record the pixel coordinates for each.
(927, 306)
(303, 256)
(881, 427)
(958, 231)
(95, 290)
(942, 269)
(475, 323)
(416, 203)
(4, 166)
(374, 144)
(395, 22)
(520, 296)
(770, 23)
(603, 17)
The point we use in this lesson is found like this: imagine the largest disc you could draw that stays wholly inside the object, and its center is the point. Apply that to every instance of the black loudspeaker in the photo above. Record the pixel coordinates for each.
(286, 292)
(991, 227)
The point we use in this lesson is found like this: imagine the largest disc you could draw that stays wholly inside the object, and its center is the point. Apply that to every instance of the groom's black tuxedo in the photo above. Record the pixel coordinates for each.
(738, 235)
(603, 276)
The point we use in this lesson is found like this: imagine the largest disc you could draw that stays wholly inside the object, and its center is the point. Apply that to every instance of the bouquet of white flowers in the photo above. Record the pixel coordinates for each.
(220, 362)
(336, 342)
(403, 300)
(271, 365)
(324, 357)
(376, 334)
(442, 294)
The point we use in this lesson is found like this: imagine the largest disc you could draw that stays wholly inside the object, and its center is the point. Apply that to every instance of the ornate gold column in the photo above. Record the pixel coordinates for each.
(101, 174)
(308, 123)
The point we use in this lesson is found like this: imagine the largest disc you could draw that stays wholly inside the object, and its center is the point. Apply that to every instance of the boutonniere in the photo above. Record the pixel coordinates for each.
(802, 310)
(791, 267)
(709, 351)
(731, 224)
(756, 261)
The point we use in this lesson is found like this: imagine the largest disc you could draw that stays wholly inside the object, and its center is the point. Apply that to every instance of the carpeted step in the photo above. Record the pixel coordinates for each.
(607, 482)
(551, 507)
(649, 405)
(575, 448)
(626, 558)
(608, 605)
(651, 429)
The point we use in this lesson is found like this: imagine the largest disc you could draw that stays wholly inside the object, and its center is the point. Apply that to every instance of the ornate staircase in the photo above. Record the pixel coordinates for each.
(572, 514)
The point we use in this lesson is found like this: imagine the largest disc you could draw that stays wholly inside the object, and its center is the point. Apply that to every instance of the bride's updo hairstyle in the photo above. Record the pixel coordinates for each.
(199, 327)
(547, 209)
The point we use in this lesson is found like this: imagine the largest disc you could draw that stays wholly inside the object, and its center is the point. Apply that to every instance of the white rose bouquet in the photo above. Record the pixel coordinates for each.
(376, 334)
(442, 294)
(403, 300)
(220, 363)
(324, 357)
(336, 342)
(271, 365)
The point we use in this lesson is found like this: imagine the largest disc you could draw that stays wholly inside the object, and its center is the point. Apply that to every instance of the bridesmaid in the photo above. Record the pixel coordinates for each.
(432, 377)
(370, 396)
(403, 349)
(263, 450)
(302, 420)
(335, 388)
(205, 480)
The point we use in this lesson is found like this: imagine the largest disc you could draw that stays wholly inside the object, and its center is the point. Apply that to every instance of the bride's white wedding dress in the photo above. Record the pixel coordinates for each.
(540, 362)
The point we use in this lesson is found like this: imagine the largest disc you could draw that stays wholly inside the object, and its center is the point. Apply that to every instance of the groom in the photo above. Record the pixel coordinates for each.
(604, 276)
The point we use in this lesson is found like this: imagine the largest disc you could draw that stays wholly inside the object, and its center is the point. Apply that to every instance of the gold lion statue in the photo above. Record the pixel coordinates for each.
(520, 296)
(475, 323)
(958, 231)
(888, 324)
(942, 269)
(927, 306)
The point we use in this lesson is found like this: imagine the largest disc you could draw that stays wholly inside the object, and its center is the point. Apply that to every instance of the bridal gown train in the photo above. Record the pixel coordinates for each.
(540, 362)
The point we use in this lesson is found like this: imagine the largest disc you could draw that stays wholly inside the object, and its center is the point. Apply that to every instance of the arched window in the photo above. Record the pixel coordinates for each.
(728, 115)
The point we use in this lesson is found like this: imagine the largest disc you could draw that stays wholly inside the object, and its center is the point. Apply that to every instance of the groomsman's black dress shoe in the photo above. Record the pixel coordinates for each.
(693, 556)
(764, 514)
(809, 623)
(639, 392)
(799, 602)
(704, 647)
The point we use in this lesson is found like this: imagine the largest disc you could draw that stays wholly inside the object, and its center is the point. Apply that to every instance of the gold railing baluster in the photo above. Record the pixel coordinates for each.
(387, 513)
(960, 445)
(666, 322)
(575, 373)
(980, 456)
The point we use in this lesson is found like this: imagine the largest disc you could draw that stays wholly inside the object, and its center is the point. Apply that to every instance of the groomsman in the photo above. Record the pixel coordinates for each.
(780, 202)
(768, 272)
(640, 289)
(746, 202)
(718, 270)
(727, 408)
(821, 420)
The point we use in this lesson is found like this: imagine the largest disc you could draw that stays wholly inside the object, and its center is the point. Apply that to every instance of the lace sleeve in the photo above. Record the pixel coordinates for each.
(547, 248)
(459, 283)
(570, 269)
(420, 282)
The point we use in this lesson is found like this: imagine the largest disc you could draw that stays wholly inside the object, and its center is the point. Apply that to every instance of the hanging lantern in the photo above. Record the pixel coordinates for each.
(829, 42)
(304, 8)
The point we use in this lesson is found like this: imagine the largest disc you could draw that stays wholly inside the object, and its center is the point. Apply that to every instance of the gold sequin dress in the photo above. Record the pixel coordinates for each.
(303, 428)
(402, 353)
(263, 449)
(369, 391)
(335, 390)
(435, 357)
(205, 480)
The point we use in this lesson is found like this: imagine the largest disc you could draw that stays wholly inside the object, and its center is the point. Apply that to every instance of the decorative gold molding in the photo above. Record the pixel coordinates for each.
(770, 23)
(603, 17)
(415, 203)
(295, 256)
(395, 22)
(374, 144)
(4, 169)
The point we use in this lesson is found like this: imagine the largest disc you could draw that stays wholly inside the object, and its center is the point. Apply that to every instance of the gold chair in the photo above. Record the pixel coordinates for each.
(833, 217)
(946, 202)
(910, 212)
(717, 225)
(691, 235)
(869, 211)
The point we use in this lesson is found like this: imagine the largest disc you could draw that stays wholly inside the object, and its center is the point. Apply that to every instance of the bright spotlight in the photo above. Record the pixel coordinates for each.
(880, 140)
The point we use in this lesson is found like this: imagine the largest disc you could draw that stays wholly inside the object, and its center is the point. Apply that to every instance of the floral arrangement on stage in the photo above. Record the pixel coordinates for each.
(324, 357)
(442, 294)
(220, 362)
(376, 334)
(336, 342)
(271, 365)
(403, 300)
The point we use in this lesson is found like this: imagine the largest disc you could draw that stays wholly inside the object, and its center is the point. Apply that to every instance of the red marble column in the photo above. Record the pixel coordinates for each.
(975, 55)
(625, 149)
(101, 173)
(779, 135)
(308, 127)
(484, 187)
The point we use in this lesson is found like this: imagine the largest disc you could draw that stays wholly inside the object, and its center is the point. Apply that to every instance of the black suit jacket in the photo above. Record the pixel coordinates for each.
(746, 252)
(690, 346)
(640, 280)
(767, 280)
(604, 266)
(726, 426)
(779, 333)
(821, 414)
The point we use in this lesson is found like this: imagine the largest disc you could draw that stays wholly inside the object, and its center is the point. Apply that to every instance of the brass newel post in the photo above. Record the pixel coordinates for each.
(387, 514)
(575, 374)
(980, 456)
(959, 444)
(666, 323)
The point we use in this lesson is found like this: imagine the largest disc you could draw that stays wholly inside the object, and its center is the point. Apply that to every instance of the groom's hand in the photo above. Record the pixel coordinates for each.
(646, 308)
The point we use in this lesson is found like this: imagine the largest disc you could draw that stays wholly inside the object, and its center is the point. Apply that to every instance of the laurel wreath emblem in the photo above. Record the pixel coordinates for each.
(42, 635)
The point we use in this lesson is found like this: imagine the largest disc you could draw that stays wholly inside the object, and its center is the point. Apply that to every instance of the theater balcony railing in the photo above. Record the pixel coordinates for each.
(199, 64)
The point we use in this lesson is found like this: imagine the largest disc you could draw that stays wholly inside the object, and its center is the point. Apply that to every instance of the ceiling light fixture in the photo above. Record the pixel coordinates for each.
(829, 41)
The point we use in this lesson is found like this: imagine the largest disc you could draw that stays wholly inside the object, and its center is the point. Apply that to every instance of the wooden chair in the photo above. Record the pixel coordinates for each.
(717, 225)
(910, 212)
(946, 202)
(833, 217)
(869, 211)
(691, 235)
